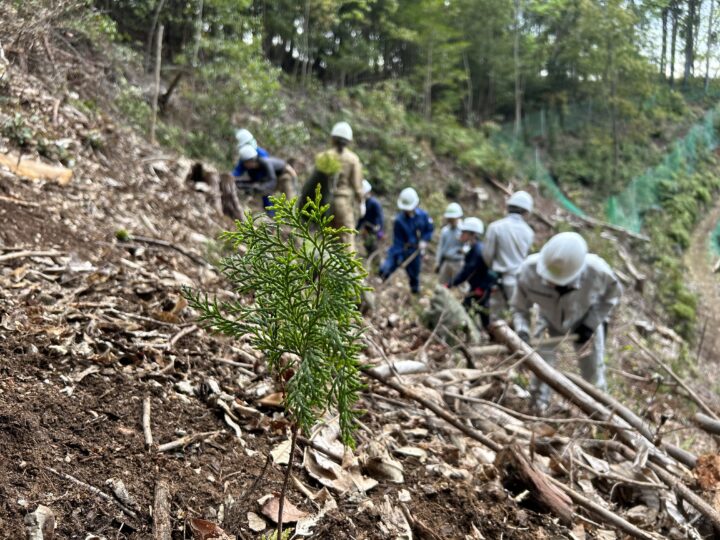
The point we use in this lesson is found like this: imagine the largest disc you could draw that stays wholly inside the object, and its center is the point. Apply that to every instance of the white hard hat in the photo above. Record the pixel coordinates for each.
(247, 152)
(244, 137)
(521, 199)
(408, 199)
(562, 258)
(366, 187)
(473, 225)
(453, 210)
(342, 130)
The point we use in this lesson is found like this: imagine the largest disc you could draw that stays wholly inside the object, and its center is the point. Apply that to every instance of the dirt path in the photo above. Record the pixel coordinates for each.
(699, 262)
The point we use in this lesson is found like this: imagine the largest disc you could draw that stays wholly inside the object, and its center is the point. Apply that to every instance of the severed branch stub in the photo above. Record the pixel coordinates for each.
(147, 432)
(517, 469)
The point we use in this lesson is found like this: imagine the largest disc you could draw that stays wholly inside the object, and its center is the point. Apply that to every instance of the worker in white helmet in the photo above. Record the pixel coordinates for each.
(340, 167)
(575, 292)
(245, 138)
(474, 271)
(506, 245)
(265, 175)
(412, 231)
(449, 256)
(371, 223)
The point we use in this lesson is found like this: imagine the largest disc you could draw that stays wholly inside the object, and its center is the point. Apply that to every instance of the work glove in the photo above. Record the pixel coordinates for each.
(363, 209)
(522, 334)
(584, 333)
(422, 246)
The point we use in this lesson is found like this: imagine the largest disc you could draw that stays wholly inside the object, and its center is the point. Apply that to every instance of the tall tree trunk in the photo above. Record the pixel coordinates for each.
(664, 42)
(689, 42)
(306, 45)
(673, 41)
(198, 33)
(156, 94)
(470, 113)
(709, 45)
(428, 84)
(516, 61)
(151, 33)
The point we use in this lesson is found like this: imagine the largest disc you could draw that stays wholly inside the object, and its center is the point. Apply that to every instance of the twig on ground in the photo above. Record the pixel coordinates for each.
(94, 490)
(182, 333)
(693, 395)
(164, 243)
(124, 315)
(25, 254)
(184, 441)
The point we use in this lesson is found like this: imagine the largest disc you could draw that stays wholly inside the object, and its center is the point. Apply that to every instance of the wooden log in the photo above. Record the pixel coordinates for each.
(493, 350)
(603, 513)
(608, 517)
(36, 170)
(162, 527)
(563, 386)
(570, 391)
(683, 456)
(708, 424)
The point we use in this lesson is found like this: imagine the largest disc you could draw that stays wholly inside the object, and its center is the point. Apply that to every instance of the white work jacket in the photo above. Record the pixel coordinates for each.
(506, 245)
(592, 295)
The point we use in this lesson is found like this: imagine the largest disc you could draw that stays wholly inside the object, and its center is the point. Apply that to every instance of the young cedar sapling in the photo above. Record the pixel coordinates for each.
(305, 286)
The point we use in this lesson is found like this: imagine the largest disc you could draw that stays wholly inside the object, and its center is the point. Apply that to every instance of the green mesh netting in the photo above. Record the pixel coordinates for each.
(542, 126)
(715, 240)
(627, 208)
(641, 194)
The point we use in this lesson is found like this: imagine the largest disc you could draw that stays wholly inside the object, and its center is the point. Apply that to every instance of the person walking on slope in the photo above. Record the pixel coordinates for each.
(370, 225)
(507, 244)
(474, 270)
(449, 257)
(344, 170)
(412, 230)
(575, 292)
(266, 175)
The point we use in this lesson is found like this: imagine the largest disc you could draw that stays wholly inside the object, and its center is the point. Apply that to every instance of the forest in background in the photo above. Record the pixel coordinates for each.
(598, 86)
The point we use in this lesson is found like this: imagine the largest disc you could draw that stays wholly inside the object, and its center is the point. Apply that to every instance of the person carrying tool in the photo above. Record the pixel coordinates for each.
(265, 175)
(507, 244)
(449, 257)
(575, 292)
(474, 270)
(370, 225)
(412, 230)
(339, 173)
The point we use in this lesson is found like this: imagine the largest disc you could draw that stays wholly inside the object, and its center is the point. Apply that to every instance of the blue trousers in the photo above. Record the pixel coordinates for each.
(395, 259)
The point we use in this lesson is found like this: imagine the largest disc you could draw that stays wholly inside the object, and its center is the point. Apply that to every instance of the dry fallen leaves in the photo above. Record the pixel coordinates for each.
(207, 530)
(291, 513)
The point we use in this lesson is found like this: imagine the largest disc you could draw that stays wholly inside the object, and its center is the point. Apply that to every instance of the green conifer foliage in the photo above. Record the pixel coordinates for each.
(298, 289)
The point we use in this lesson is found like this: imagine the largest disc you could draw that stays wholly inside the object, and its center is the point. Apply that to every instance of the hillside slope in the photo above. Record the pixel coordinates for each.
(92, 326)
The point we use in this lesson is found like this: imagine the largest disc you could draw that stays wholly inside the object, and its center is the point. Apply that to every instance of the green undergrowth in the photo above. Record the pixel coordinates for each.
(682, 200)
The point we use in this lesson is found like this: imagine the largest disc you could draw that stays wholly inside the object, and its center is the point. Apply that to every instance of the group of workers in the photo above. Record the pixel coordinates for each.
(574, 290)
